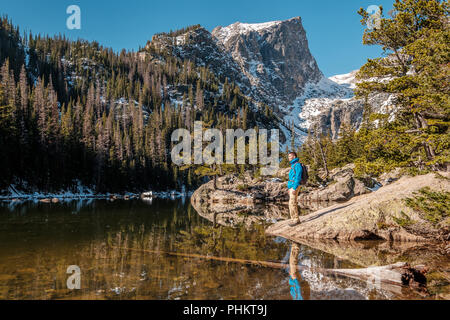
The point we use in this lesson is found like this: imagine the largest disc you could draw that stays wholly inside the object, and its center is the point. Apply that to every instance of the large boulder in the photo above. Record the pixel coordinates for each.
(342, 187)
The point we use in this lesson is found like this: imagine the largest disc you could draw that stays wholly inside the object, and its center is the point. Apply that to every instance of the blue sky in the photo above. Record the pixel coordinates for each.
(333, 28)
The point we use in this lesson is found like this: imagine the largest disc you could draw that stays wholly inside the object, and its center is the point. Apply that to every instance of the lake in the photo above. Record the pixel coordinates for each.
(159, 249)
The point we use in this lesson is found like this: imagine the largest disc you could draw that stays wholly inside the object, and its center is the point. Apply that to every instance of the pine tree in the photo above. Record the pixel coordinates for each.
(417, 69)
(40, 109)
(199, 96)
(24, 109)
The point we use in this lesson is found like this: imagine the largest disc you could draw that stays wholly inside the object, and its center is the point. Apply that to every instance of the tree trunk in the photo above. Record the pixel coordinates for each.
(421, 123)
(324, 158)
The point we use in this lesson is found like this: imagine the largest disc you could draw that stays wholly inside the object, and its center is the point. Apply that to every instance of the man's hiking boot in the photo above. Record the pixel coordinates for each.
(294, 223)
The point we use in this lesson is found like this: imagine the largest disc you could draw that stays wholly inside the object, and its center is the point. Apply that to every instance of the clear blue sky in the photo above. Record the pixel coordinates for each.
(333, 28)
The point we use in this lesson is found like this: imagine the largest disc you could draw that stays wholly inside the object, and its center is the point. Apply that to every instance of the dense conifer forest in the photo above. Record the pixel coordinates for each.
(74, 111)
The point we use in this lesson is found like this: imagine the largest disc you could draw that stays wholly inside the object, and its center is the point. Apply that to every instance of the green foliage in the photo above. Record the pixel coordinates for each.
(404, 221)
(433, 205)
(414, 171)
(5, 111)
(243, 187)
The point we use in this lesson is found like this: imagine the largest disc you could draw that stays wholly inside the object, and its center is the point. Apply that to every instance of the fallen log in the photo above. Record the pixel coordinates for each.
(398, 274)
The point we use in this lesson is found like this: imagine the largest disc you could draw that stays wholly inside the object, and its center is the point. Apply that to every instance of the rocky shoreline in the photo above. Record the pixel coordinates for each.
(347, 208)
(380, 215)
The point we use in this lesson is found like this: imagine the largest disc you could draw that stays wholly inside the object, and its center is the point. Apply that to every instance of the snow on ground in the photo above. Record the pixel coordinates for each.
(80, 192)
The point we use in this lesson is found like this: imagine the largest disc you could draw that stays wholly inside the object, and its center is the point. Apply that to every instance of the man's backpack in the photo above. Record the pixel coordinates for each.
(305, 175)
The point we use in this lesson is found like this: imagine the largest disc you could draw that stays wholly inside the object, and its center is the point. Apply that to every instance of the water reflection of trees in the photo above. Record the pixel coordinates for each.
(97, 239)
(239, 242)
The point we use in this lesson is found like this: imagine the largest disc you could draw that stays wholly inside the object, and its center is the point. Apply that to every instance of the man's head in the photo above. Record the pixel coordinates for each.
(292, 156)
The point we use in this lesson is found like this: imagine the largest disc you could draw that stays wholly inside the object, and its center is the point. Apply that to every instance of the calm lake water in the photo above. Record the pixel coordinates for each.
(156, 250)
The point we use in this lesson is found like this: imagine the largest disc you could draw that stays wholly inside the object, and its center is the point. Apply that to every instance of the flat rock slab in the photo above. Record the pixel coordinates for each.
(371, 216)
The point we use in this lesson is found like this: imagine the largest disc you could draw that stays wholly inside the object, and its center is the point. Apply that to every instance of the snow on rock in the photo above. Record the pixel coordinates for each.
(331, 102)
(274, 58)
(225, 33)
(315, 99)
(347, 79)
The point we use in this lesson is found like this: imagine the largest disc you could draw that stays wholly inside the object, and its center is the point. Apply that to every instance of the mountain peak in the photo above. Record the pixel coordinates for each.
(223, 34)
(273, 55)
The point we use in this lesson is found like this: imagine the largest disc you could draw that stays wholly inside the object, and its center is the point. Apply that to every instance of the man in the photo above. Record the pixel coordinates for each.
(295, 178)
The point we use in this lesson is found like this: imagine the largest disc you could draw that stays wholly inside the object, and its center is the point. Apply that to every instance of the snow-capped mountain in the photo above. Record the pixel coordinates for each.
(272, 64)
(274, 56)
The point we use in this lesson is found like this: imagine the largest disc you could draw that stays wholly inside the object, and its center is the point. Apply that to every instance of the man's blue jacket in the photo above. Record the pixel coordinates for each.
(295, 175)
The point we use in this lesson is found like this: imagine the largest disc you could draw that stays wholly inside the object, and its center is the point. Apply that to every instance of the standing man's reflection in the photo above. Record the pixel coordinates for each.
(300, 289)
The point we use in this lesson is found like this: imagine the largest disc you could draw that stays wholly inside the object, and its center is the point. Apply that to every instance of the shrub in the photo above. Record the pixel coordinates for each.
(433, 205)
(243, 187)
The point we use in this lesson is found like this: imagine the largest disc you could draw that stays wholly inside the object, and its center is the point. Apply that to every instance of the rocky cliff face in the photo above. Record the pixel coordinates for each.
(274, 56)
(333, 113)
(329, 113)
(199, 46)
(270, 62)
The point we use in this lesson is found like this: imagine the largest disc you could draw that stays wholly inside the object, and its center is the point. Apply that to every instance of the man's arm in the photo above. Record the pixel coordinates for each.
(298, 176)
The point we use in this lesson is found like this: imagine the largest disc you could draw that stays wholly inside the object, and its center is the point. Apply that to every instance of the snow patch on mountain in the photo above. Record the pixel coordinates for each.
(331, 102)
(347, 79)
(225, 33)
(315, 98)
